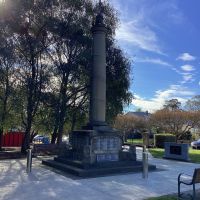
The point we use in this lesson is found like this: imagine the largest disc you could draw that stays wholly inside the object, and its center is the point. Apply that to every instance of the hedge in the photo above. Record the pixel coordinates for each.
(160, 139)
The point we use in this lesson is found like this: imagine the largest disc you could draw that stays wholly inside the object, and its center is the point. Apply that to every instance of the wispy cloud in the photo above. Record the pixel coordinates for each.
(133, 32)
(186, 57)
(154, 61)
(187, 68)
(144, 28)
(187, 77)
(188, 74)
(174, 91)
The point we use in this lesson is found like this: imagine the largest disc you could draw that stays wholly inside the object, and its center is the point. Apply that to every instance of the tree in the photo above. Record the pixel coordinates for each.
(27, 25)
(52, 57)
(118, 81)
(7, 79)
(177, 122)
(72, 61)
(172, 104)
(126, 124)
(193, 104)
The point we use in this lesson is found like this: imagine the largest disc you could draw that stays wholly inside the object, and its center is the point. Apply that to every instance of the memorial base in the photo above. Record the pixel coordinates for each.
(97, 152)
(79, 169)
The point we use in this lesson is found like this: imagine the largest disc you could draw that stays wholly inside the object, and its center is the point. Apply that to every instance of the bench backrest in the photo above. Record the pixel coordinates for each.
(196, 176)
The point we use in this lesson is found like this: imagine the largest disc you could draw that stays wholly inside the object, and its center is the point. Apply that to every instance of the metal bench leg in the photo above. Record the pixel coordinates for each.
(194, 192)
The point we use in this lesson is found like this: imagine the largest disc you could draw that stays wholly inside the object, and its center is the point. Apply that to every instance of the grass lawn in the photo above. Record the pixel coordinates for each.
(138, 141)
(194, 154)
(168, 197)
(135, 141)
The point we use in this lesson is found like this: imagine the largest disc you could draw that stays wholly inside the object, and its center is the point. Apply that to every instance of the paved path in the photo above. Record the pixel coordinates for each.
(43, 184)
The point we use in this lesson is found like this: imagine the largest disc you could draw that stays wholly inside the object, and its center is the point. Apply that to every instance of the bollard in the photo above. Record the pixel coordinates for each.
(145, 162)
(29, 160)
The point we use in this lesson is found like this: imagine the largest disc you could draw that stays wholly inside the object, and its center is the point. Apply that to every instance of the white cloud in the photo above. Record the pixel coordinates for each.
(187, 68)
(187, 73)
(186, 57)
(187, 77)
(154, 61)
(140, 25)
(173, 92)
(133, 32)
(147, 105)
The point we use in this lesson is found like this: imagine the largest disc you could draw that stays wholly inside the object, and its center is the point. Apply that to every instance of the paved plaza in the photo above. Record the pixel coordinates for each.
(44, 184)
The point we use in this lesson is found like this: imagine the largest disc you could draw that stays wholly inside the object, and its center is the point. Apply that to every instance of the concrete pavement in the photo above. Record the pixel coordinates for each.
(44, 184)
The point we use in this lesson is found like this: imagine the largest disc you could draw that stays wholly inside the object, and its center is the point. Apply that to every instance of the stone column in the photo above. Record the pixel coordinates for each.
(98, 93)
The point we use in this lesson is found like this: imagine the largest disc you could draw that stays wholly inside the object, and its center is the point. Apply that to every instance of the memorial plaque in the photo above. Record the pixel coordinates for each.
(106, 148)
(175, 150)
(107, 157)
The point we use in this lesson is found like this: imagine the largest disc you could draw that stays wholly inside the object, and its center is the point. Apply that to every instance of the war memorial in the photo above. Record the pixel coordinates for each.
(97, 149)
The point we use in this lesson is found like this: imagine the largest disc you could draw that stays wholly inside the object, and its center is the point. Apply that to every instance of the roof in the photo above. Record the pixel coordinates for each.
(139, 114)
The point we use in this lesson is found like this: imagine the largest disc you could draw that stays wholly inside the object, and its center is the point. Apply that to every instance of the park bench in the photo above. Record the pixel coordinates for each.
(189, 180)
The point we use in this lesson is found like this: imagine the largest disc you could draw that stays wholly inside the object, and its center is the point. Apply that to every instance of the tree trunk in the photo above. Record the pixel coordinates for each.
(32, 135)
(61, 111)
(31, 86)
(73, 121)
(56, 123)
(27, 136)
(26, 141)
(62, 118)
(1, 138)
(4, 113)
(54, 134)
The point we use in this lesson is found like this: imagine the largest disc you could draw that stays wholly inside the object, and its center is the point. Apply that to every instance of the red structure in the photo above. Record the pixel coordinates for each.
(13, 139)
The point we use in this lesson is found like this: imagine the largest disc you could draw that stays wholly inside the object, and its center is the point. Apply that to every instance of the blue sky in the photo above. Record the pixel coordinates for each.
(162, 37)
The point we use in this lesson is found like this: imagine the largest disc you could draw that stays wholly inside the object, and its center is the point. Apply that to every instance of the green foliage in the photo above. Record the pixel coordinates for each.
(157, 152)
(160, 139)
(118, 69)
(135, 141)
(194, 155)
(186, 136)
(172, 104)
(49, 44)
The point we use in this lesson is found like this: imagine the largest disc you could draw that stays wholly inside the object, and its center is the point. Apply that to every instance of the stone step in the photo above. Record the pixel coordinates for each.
(93, 172)
(81, 165)
(63, 167)
(75, 163)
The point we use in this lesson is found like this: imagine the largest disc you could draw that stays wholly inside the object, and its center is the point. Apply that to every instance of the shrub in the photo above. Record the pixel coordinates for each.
(136, 135)
(160, 139)
(186, 136)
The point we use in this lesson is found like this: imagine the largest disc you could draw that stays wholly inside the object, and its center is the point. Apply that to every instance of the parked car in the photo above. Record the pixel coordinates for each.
(40, 139)
(195, 144)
